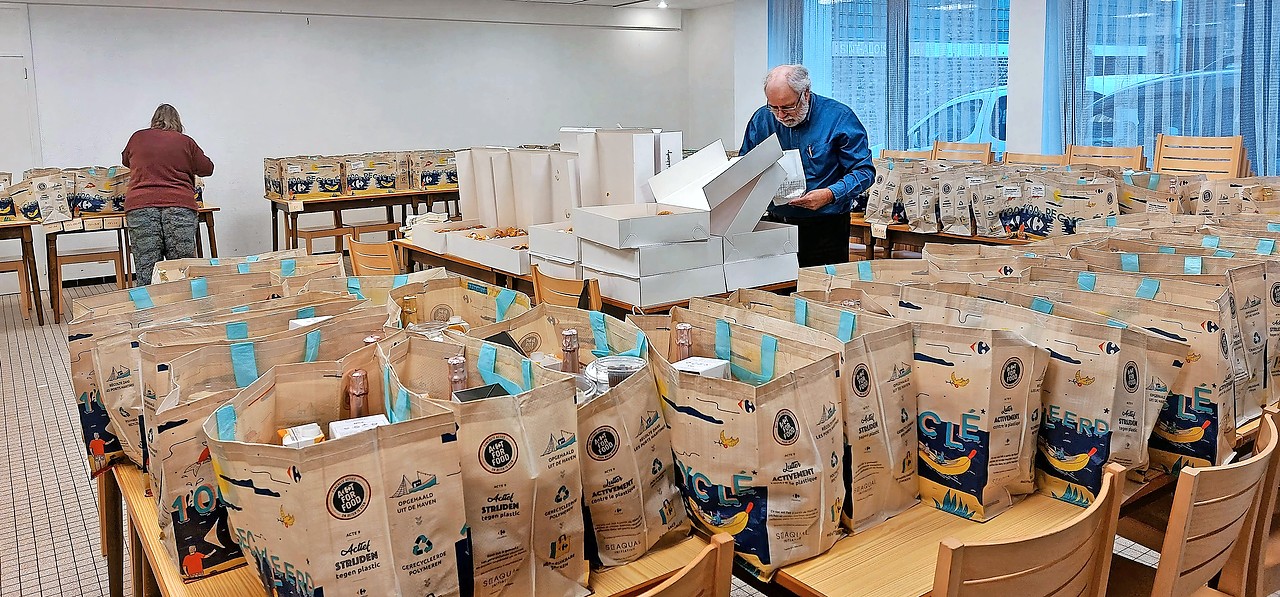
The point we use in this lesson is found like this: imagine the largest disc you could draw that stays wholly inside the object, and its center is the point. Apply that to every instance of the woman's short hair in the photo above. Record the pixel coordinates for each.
(166, 118)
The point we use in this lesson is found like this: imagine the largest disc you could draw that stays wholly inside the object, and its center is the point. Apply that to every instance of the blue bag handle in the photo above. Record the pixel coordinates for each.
(237, 330)
(312, 351)
(848, 323)
(244, 363)
(1148, 288)
(306, 313)
(288, 267)
(199, 288)
(801, 315)
(1086, 281)
(399, 280)
(141, 298)
(768, 351)
(242, 268)
(226, 418)
(486, 364)
(506, 297)
(353, 287)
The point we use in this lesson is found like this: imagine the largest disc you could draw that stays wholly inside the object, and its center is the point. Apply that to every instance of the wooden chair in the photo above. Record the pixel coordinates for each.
(373, 259)
(18, 266)
(1034, 159)
(334, 230)
(1211, 519)
(899, 154)
(1119, 157)
(1215, 157)
(708, 575)
(1262, 572)
(1071, 560)
(563, 292)
(963, 152)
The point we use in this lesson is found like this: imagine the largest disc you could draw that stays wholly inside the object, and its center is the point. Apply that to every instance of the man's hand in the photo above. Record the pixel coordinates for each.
(814, 199)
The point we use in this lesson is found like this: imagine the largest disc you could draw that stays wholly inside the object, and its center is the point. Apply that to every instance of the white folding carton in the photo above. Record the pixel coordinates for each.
(569, 136)
(737, 192)
(434, 236)
(761, 271)
(554, 240)
(627, 159)
(630, 226)
(555, 266)
(766, 240)
(497, 253)
(531, 182)
(662, 289)
(504, 193)
(342, 428)
(704, 366)
(565, 189)
(467, 201)
(651, 260)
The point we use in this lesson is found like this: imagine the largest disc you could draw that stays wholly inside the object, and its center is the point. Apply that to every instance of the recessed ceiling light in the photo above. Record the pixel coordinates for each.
(662, 3)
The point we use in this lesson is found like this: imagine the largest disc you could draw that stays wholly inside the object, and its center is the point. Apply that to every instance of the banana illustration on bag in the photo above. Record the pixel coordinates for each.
(1081, 380)
(958, 382)
(955, 466)
(733, 525)
(1070, 464)
(1182, 436)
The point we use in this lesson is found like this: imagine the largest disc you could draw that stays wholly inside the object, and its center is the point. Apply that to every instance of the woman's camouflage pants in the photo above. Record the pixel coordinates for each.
(159, 233)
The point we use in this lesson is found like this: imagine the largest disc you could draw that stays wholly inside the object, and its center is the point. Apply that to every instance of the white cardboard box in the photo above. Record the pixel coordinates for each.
(626, 160)
(495, 252)
(482, 177)
(556, 267)
(651, 260)
(736, 191)
(762, 271)
(425, 235)
(769, 238)
(669, 150)
(551, 240)
(630, 226)
(569, 136)
(704, 366)
(467, 204)
(531, 184)
(566, 193)
(504, 193)
(661, 289)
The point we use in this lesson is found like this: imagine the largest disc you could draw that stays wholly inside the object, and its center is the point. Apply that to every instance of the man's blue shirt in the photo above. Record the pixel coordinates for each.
(833, 148)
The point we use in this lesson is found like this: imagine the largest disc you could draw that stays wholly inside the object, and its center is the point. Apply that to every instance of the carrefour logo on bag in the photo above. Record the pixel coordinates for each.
(1131, 377)
(786, 429)
(498, 453)
(861, 381)
(602, 444)
(348, 497)
(1011, 373)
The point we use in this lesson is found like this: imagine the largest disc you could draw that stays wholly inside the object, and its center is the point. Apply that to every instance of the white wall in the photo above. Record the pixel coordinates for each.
(255, 84)
(728, 58)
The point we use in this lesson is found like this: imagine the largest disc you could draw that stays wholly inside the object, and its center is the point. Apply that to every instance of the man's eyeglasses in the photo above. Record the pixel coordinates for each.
(786, 109)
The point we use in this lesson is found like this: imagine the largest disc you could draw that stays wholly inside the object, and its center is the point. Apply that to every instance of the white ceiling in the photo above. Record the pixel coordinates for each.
(679, 4)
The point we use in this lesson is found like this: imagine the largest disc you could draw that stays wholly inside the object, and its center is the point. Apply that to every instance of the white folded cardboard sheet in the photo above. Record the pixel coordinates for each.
(556, 267)
(466, 182)
(768, 239)
(670, 150)
(504, 194)
(589, 193)
(737, 192)
(495, 252)
(486, 208)
(554, 240)
(531, 185)
(630, 226)
(650, 291)
(651, 260)
(569, 136)
(427, 235)
(627, 161)
(566, 192)
(762, 271)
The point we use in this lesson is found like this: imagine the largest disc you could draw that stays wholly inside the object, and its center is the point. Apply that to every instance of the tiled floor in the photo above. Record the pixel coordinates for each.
(48, 512)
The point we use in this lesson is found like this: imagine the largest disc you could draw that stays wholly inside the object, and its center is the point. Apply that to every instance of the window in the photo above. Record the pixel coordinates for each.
(914, 71)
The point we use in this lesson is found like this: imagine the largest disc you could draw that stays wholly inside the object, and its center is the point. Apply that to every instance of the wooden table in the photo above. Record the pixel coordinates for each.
(159, 574)
(902, 233)
(21, 230)
(336, 205)
(410, 254)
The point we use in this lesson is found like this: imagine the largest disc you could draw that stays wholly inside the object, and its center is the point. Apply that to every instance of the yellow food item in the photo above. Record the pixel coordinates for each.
(733, 525)
(958, 382)
(1182, 436)
(1071, 464)
(955, 466)
(665, 212)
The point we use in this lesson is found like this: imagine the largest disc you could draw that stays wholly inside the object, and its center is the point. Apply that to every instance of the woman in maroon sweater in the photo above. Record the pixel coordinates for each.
(160, 206)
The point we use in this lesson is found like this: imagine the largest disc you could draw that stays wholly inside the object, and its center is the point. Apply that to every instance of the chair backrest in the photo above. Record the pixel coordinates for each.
(902, 154)
(708, 575)
(1245, 574)
(372, 259)
(1215, 157)
(1120, 157)
(963, 152)
(1034, 159)
(1072, 560)
(1213, 514)
(564, 293)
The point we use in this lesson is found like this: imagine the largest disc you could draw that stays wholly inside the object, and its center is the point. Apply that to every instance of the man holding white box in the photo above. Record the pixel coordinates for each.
(836, 158)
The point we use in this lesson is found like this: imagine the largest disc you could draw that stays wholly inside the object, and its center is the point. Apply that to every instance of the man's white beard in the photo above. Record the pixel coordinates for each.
(794, 121)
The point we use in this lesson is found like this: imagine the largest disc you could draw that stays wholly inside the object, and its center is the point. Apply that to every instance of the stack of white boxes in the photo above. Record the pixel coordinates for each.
(702, 236)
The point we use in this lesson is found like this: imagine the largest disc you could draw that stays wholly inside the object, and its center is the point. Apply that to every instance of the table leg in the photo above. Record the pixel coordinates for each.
(33, 274)
(275, 226)
(113, 537)
(55, 276)
(126, 256)
(199, 243)
(293, 230)
(213, 239)
(136, 560)
(869, 241)
(391, 217)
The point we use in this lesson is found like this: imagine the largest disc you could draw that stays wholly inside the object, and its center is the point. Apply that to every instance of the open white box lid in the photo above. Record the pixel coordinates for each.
(709, 180)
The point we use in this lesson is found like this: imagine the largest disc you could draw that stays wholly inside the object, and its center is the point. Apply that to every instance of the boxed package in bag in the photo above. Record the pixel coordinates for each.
(878, 397)
(376, 289)
(521, 470)
(627, 477)
(1196, 426)
(978, 395)
(1080, 431)
(105, 441)
(374, 513)
(475, 303)
(760, 454)
(146, 297)
(171, 270)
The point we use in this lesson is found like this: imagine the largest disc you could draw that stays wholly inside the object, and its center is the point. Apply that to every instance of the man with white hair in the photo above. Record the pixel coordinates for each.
(833, 149)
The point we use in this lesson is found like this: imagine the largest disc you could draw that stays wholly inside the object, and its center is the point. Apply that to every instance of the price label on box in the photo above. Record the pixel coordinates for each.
(295, 206)
(880, 231)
